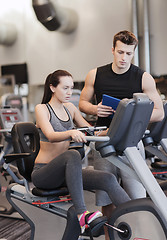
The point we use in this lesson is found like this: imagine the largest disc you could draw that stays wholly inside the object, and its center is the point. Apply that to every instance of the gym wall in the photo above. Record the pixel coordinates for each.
(87, 47)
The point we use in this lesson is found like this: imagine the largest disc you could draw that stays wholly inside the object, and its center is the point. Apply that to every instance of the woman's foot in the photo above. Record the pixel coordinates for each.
(94, 220)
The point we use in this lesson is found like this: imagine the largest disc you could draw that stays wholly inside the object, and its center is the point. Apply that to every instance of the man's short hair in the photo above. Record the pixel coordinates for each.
(125, 37)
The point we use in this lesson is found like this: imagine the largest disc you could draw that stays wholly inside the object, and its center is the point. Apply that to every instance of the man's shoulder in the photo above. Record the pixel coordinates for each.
(135, 68)
(104, 67)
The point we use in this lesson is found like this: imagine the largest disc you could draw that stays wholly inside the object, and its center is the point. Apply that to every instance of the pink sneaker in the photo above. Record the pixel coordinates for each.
(94, 220)
(82, 221)
(92, 216)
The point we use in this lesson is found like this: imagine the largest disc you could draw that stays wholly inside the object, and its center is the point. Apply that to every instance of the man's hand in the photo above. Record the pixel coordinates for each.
(104, 111)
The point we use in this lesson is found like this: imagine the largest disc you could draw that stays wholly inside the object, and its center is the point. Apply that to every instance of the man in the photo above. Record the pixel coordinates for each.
(118, 79)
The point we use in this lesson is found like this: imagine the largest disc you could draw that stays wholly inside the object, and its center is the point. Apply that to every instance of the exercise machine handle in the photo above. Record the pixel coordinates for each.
(97, 138)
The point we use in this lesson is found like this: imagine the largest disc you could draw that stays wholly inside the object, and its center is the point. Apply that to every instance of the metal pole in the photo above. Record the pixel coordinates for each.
(148, 180)
(146, 45)
(135, 30)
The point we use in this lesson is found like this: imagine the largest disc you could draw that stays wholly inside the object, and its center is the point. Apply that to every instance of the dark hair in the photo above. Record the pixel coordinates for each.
(125, 37)
(53, 79)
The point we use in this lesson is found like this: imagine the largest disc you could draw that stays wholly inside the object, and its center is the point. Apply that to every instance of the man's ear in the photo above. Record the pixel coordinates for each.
(133, 54)
(112, 50)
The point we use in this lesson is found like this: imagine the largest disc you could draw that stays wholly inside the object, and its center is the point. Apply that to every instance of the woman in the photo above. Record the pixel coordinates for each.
(55, 165)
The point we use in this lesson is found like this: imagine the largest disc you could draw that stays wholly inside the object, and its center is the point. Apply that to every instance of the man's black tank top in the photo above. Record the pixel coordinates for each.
(116, 85)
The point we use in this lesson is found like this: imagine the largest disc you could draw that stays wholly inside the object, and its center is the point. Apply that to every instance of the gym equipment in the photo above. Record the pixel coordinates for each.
(8, 117)
(141, 218)
(18, 97)
(8, 173)
(7, 84)
(11, 100)
(136, 219)
(155, 142)
(158, 131)
(53, 207)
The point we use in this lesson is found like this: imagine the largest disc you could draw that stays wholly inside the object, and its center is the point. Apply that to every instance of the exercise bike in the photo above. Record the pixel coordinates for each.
(8, 173)
(141, 218)
(52, 207)
(136, 219)
(155, 142)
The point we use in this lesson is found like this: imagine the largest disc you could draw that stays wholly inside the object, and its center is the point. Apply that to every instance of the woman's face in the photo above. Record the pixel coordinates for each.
(64, 89)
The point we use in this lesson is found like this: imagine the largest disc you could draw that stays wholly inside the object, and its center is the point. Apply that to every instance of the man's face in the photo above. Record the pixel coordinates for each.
(123, 55)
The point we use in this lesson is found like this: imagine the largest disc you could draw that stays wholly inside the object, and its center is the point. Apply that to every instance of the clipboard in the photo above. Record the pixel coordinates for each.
(111, 102)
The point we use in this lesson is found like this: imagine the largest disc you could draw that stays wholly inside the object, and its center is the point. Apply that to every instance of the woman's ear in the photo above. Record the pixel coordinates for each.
(52, 88)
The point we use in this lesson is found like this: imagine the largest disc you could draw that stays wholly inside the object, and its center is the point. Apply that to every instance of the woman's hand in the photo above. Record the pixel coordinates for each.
(77, 136)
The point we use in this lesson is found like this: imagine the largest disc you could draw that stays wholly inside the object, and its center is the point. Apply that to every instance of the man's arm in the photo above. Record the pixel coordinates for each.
(149, 88)
(86, 96)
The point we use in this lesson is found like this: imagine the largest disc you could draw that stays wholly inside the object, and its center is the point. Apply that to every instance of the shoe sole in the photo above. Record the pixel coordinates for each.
(97, 224)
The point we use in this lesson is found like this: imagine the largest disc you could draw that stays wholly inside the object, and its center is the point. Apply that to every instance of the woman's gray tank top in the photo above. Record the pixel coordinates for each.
(57, 124)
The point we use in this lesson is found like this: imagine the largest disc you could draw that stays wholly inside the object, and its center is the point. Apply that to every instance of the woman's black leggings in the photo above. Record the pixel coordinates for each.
(66, 169)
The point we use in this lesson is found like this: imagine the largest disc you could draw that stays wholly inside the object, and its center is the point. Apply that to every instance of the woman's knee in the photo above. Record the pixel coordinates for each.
(73, 156)
(109, 179)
